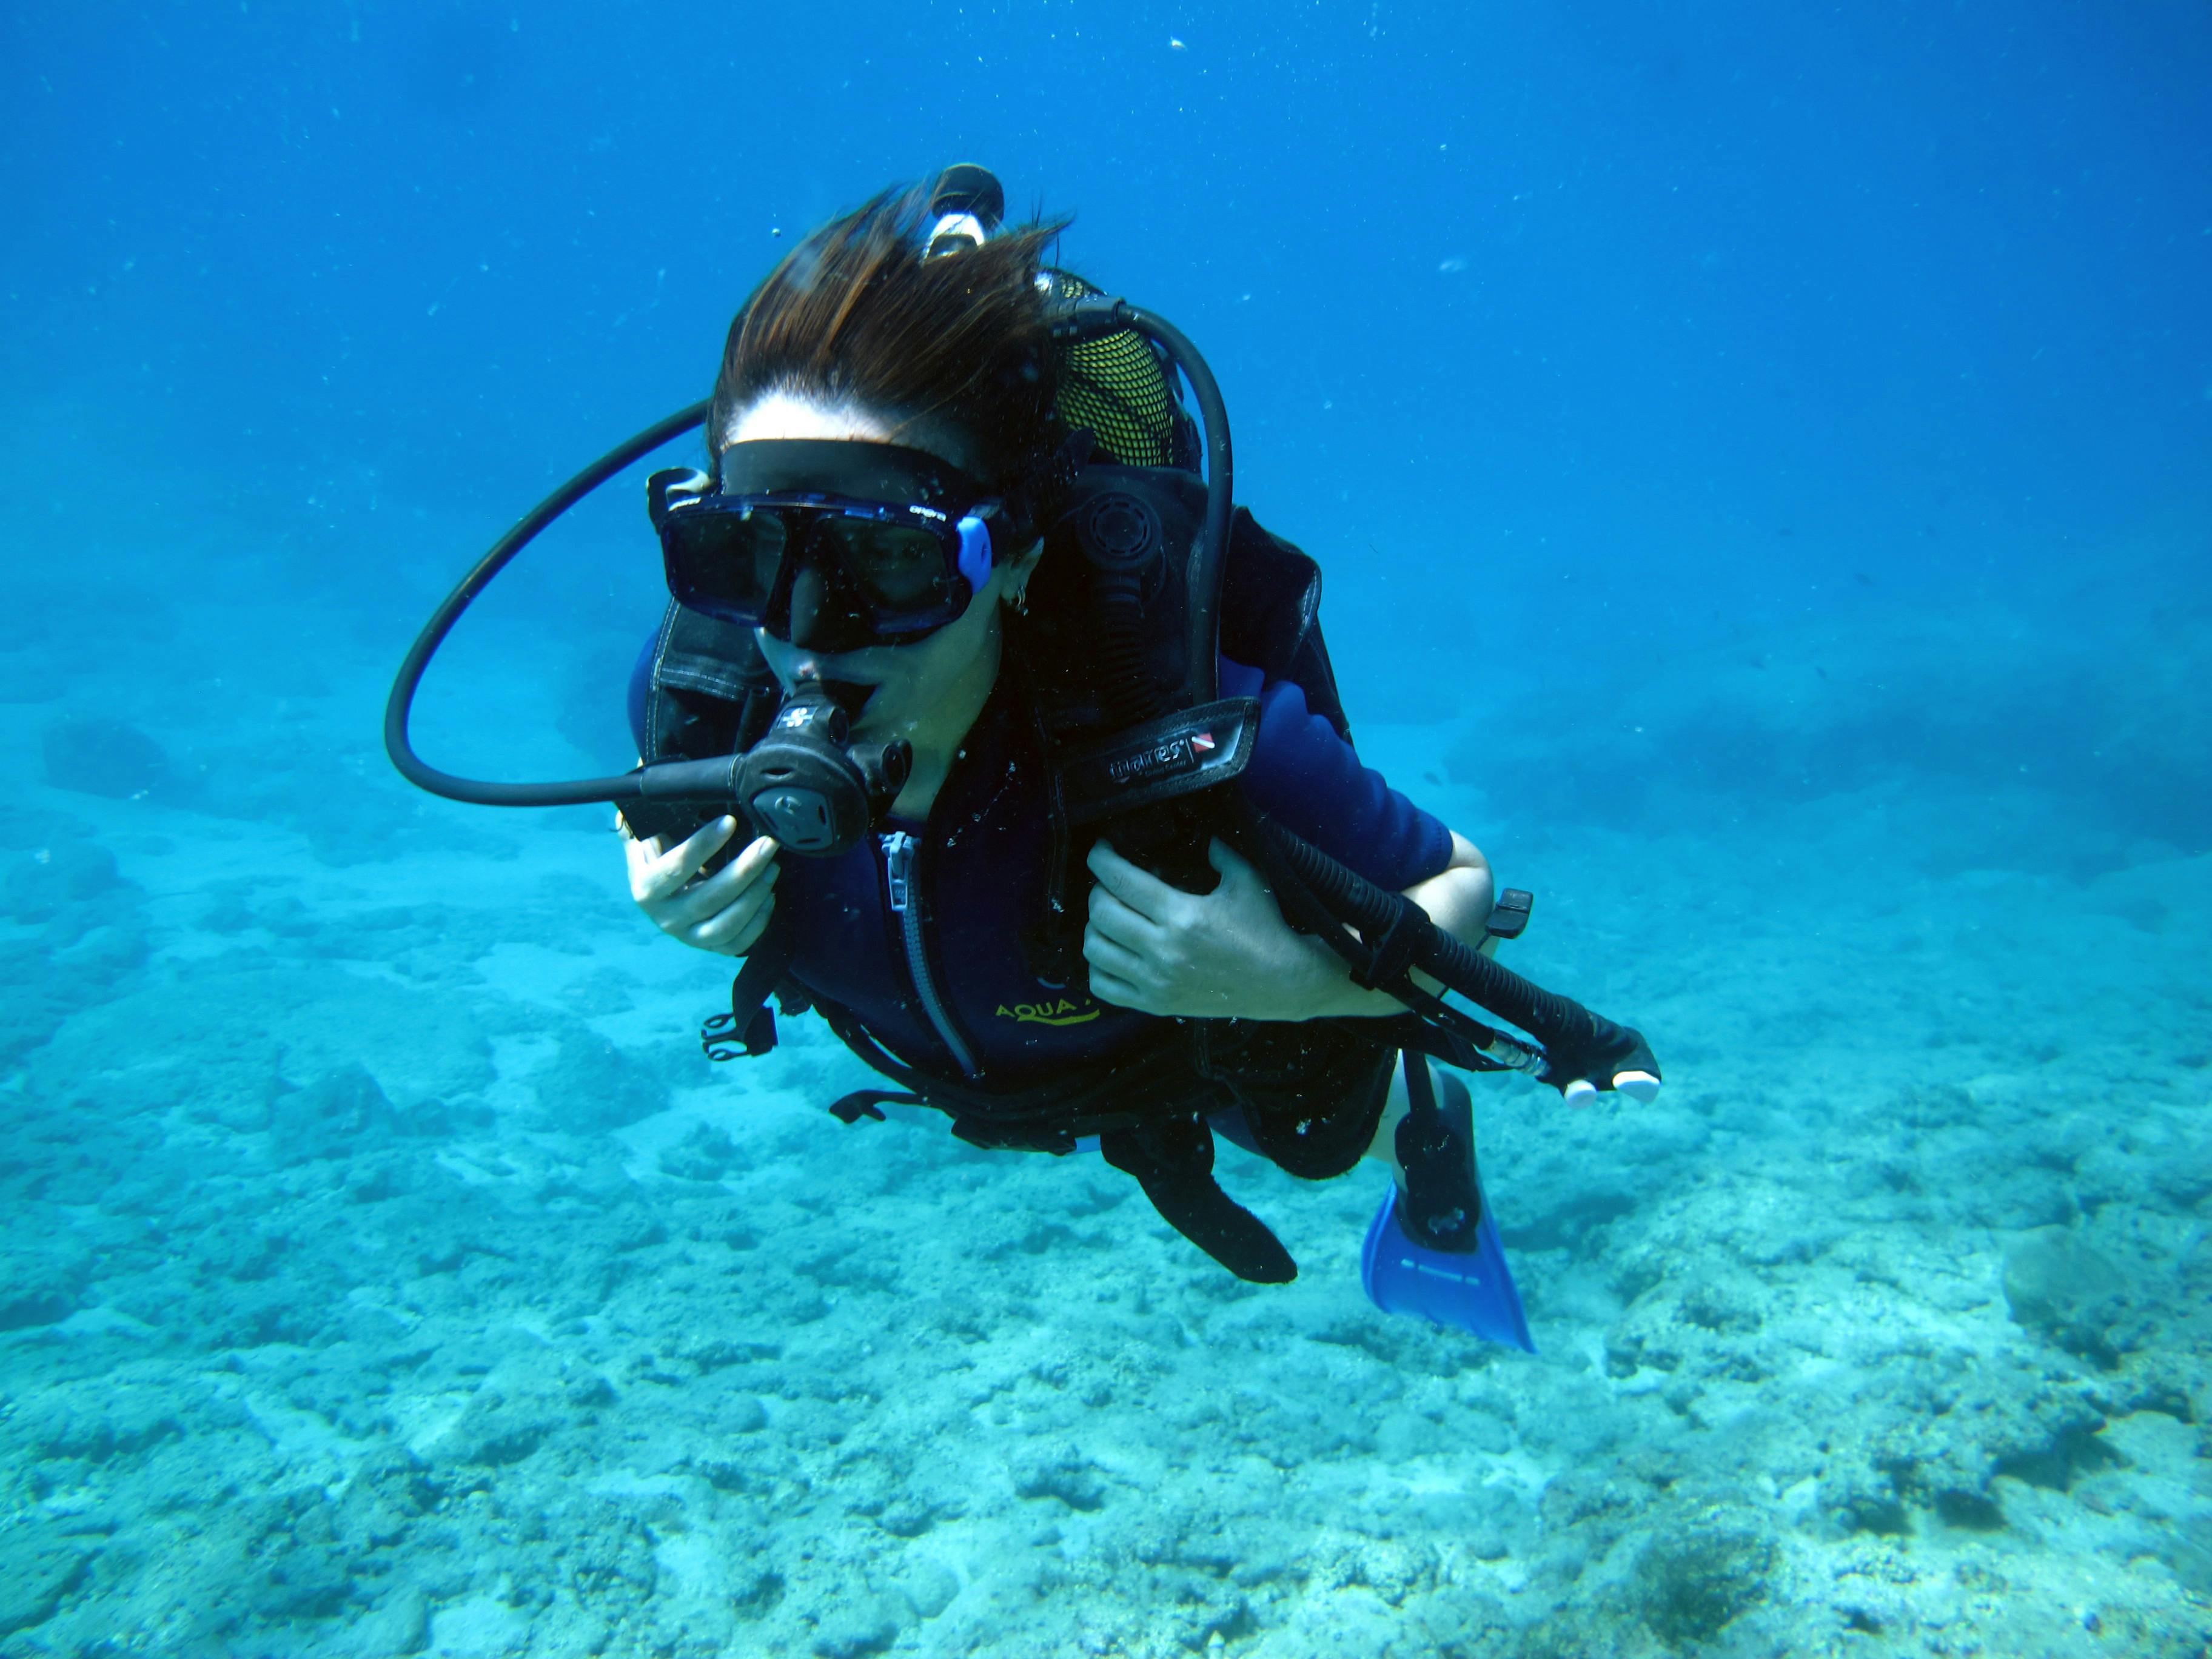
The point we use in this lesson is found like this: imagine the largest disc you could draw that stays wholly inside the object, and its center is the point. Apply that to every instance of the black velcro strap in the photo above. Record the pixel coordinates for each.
(1389, 956)
(870, 1103)
(1172, 1159)
(723, 1038)
(749, 1026)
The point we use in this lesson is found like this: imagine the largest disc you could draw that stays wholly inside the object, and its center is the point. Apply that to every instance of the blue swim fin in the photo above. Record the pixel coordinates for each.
(1470, 1290)
(1474, 1293)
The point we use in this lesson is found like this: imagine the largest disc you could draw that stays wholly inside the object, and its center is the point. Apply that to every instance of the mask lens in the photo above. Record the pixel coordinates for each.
(756, 547)
(887, 573)
(723, 563)
(900, 567)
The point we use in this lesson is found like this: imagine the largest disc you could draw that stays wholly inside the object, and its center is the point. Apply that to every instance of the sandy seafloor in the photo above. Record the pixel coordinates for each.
(387, 1273)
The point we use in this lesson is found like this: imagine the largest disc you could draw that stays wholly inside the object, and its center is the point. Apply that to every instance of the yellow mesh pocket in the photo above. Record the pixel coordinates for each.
(1114, 386)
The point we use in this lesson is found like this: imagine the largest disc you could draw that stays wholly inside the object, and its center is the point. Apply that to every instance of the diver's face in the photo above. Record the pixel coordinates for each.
(906, 683)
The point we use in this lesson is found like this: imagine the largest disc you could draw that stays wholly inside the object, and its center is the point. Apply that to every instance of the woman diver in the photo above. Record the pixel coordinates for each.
(957, 623)
(898, 369)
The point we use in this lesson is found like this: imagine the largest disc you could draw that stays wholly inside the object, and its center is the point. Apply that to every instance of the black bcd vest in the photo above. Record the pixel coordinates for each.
(1100, 649)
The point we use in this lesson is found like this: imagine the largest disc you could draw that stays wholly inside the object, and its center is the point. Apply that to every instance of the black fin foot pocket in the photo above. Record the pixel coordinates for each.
(1440, 1206)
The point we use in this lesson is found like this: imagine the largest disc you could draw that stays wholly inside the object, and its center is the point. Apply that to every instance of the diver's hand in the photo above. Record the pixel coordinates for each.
(726, 912)
(1224, 955)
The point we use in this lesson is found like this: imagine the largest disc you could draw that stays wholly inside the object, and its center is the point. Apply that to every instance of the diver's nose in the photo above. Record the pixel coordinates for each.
(819, 619)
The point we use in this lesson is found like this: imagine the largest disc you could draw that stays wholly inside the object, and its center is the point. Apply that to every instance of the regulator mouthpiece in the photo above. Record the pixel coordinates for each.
(810, 787)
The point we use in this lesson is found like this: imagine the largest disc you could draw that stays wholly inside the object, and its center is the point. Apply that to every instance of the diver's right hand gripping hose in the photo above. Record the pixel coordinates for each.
(1582, 1050)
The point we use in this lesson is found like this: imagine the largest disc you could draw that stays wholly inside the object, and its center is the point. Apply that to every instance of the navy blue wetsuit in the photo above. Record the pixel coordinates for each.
(922, 932)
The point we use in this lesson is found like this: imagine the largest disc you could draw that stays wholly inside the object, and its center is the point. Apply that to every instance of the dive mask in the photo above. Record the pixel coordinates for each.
(832, 545)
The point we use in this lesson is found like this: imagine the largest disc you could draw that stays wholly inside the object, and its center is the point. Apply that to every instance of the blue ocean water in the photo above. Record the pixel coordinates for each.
(1762, 461)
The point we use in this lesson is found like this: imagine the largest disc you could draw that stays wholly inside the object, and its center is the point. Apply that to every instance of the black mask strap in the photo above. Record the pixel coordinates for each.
(838, 466)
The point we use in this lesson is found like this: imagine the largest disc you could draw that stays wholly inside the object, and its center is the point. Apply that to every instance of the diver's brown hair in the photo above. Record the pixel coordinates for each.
(856, 313)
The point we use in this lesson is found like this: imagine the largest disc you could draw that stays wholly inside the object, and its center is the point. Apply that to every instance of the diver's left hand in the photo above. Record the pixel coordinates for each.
(1224, 955)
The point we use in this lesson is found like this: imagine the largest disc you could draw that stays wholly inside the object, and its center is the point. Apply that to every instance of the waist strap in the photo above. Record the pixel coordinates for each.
(1172, 1159)
(1148, 1113)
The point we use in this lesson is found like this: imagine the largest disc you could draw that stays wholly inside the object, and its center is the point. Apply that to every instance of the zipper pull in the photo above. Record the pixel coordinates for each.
(898, 866)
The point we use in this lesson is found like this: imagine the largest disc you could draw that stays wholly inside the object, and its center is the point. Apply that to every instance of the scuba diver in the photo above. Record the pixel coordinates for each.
(982, 723)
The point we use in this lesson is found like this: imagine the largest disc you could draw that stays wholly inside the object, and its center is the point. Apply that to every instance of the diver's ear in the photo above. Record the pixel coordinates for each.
(1019, 569)
(1023, 566)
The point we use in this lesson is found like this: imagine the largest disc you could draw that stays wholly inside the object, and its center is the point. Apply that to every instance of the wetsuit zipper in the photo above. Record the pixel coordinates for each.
(899, 861)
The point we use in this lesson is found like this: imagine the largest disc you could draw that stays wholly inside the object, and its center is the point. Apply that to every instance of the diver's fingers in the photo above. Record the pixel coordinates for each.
(733, 929)
(668, 872)
(744, 942)
(1235, 870)
(1641, 1087)
(754, 866)
(639, 856)
(759, 855)
(1580, 1092)
(1117, 921)
(1108, 956)
(703, 900)
(1118, 992)
(1141, 890)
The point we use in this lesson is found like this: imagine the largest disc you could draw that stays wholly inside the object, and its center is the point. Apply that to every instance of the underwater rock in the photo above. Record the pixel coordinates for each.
(104, 757)
(1690, 1584)
(481, 1627)
(1942, 700)
(1861, 1498)
(855, 1628)
(38, 1568)
(341, 1113)
(498, 1429)
(1062, 1473)
(705, 1154)
(37, 994)
(40, 1283)
(2062, 1287)
(929, 1588)
(437, 1119)
(97, 1424)
(1951, 1426)
(590, 1084)
(75, 872)
(301, 1573)
(1458, 1621)
(399, 1625)
(742, 1413)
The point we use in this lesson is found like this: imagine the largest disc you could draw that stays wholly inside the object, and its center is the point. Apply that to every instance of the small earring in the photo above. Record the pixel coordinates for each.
(1021, 600)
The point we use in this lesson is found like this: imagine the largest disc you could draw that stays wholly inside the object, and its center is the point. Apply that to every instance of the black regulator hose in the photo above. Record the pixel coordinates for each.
(630, 786)
(1396, 935)
(1087, 319)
